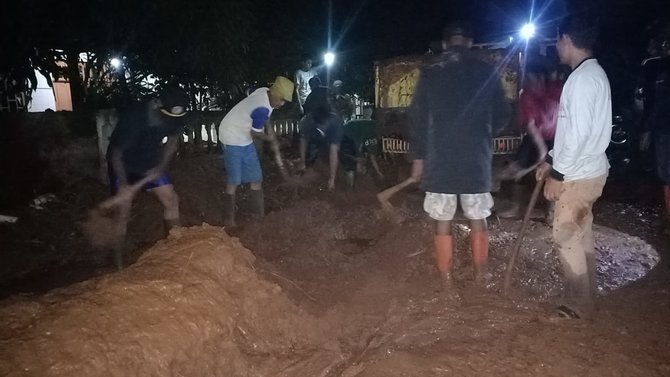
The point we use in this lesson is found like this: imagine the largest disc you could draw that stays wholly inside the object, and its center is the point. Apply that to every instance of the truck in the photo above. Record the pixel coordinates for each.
(396, 78)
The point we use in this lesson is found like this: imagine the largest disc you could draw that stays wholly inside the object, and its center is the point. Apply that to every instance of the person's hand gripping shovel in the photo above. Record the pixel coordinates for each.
(106, 224)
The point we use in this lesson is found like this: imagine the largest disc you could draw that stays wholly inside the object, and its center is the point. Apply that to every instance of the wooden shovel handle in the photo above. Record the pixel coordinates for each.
(118, 200)
(385, 195)
(274, 145)
(520, 236)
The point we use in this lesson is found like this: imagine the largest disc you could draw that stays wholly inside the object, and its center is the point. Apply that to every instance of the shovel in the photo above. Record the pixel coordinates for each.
(385, 196)
(106, 223)
(522, 233)
(274, 146)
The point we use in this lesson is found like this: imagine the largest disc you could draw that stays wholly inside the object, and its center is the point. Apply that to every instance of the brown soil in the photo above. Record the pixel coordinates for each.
(336, 289)
(184, 303)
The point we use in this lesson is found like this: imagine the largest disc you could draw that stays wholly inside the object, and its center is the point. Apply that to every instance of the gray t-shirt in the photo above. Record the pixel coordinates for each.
(302, 84)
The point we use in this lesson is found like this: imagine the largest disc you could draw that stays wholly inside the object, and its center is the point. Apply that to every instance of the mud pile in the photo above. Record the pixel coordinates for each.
(191, 306)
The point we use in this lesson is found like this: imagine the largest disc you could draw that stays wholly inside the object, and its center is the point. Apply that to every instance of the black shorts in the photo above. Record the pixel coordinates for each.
(163, 180)
(315, 145)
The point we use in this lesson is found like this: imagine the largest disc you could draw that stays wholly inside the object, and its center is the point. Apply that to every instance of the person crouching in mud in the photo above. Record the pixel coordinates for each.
(359, 144)
(318, 130)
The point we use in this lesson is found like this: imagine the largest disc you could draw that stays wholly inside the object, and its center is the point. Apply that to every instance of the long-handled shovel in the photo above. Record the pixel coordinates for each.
(385, 196)
(274, 146)
(106, 223)
(519, 238)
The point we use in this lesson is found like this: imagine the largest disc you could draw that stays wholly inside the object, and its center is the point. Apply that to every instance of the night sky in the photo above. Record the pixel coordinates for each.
(366, 30)
(391, 27)
(246, 40)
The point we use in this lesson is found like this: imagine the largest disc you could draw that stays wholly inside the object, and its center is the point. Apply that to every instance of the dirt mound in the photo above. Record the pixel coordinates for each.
(192, 305)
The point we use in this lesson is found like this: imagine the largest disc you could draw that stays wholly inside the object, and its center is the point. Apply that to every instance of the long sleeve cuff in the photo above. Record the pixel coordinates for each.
(549, 159)
(555, 174)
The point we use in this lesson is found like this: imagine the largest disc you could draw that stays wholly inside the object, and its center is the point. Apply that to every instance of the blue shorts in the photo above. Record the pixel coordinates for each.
(662, 146)
(163, 180)
(242, 164)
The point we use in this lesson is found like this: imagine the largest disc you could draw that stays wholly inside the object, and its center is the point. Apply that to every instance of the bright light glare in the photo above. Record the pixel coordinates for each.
(527, 31)
(115, 62)
(329, 58)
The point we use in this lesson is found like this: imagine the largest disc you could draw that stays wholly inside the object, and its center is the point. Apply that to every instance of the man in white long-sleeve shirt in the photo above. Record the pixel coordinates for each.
(577, 167)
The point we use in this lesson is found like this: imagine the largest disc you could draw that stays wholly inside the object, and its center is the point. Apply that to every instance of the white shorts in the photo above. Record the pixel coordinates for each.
(442, 207)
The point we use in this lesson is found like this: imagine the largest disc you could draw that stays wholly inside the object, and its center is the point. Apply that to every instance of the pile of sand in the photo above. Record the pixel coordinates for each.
(191, 306)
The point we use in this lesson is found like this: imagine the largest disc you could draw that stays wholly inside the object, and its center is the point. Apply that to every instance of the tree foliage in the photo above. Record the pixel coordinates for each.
(223, 47)
(200, 41)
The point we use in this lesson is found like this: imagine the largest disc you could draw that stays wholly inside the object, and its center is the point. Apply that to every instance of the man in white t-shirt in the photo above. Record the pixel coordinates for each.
(243, 122)
(302, 77)
(576, 168)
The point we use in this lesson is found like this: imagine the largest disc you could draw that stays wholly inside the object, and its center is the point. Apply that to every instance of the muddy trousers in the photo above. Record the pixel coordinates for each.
(665, 217)
(573, 238)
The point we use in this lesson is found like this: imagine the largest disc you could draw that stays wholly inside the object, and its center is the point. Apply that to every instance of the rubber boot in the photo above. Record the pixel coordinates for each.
(168, 224)
(257, 202)
(118, 253)
(578, 296)
(479, 242)
(229, 210)
(444, 254)
(666, 198)
(119, 250)
(351, 179)
(592, 270)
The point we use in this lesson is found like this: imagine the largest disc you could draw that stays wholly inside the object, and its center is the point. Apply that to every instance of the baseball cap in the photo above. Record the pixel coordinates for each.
(282, 88)
(457, 28)
(337, 83)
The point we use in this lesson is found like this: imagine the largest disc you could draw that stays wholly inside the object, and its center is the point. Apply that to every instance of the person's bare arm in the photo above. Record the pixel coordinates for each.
(296, 81)
(263, 136)
(375, 165)
(168, 151)
(116, 162)
(536, 136)
(333, 162)
(303, 154)
(417, 170)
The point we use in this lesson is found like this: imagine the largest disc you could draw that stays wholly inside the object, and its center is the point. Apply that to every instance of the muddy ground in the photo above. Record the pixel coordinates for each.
(370, 282)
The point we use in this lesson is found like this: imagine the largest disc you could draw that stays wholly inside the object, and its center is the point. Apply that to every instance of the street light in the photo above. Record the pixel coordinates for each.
(329, 59)
(527, 31)
(115, 62)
